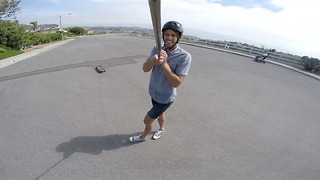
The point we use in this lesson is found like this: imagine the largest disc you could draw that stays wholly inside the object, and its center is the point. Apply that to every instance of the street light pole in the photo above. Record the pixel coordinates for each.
(61, 30)
(61, 27)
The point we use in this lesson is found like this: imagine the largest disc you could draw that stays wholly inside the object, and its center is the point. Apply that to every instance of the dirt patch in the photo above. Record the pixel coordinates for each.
(38, 46)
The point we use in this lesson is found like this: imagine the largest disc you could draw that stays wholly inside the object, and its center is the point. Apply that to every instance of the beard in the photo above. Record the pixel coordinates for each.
(170, 44)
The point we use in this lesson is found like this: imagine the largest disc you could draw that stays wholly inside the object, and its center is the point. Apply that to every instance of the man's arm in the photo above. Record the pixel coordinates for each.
(175, 80)
(148, 65)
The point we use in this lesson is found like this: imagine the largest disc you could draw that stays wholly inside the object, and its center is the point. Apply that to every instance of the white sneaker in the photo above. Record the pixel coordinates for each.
(157, 134)
(136, 139)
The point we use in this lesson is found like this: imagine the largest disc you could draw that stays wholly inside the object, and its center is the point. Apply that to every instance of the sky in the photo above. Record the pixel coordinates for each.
(289, 26)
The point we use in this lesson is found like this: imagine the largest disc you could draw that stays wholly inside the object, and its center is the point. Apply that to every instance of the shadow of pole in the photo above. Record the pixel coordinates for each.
(90, 145)
(44, 173)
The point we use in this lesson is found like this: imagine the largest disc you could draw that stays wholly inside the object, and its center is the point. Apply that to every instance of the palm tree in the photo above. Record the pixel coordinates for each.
(34, 25)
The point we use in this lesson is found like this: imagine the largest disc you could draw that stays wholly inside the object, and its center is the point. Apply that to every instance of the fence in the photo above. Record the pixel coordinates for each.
(288, 59)
(241, 48)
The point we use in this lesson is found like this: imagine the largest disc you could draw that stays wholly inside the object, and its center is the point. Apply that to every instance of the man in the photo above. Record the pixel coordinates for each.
(262, 57)
(167, 74)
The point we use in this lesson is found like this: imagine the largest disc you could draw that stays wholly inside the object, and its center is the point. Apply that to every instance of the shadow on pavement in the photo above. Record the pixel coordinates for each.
(90, 145)
(94, 144)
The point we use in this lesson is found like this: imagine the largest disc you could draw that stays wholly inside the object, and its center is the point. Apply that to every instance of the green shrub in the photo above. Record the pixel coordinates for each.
(2, 50)
(12, 34)
(54, 37)
(310, 64)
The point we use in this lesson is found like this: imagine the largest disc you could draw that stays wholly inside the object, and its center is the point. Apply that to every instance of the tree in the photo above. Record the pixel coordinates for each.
(310, 63)
(272, 50)
(12, 34)
(34, 25)
(78, 31)
(9, 8)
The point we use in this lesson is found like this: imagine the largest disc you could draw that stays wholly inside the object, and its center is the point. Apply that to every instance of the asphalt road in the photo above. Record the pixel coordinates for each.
(233, 118)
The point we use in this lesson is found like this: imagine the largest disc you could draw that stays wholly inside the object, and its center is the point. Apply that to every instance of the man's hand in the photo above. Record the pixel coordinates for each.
(148, 65)
(163, 58)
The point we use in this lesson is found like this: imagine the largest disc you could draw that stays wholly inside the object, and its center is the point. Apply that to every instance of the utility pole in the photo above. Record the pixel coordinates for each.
(61, 29)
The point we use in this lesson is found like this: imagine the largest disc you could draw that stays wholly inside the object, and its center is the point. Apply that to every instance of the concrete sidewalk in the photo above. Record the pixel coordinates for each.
(26, 55)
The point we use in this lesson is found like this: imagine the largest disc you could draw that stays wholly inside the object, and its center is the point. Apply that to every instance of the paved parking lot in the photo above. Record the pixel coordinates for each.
(233, 118)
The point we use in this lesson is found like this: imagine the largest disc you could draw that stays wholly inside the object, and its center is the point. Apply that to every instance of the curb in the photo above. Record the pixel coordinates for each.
(23, 56)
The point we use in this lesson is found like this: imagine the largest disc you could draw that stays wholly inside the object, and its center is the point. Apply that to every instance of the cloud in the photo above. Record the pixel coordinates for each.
(291, 30)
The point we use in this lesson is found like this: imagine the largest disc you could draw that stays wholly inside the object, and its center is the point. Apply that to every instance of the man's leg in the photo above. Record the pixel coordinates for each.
(156, 135)
(148, 126)
(161, 121)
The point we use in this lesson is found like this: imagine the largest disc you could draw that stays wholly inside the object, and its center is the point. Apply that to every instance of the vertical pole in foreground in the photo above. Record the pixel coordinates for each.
(155, 11)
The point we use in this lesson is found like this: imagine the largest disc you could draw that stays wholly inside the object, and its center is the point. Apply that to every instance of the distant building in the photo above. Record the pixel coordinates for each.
(44, 28)
(190, 38)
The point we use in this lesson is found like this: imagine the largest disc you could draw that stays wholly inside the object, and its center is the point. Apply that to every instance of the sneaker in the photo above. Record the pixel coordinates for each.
(136, 139)
(157, 134)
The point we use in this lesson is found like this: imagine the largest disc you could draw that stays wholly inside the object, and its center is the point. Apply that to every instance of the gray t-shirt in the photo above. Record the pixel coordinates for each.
(160, 88)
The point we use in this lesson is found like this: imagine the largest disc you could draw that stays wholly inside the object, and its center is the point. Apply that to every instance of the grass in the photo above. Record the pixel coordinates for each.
(9, 53)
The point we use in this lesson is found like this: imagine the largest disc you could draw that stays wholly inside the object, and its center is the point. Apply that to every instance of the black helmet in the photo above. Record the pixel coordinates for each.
(174, 25)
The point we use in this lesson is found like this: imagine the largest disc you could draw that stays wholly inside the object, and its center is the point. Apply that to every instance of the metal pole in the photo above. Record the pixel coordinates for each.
(61, 29)
(155, 11)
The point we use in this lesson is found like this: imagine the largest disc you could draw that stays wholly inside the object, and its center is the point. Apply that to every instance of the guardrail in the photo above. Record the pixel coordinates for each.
(289, 59)
(285, 59)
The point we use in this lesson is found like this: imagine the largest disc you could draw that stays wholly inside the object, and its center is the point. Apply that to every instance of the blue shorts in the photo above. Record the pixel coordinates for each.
(157, 109)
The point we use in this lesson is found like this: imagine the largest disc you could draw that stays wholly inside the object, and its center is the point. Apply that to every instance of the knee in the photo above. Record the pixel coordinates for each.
(148, 120)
